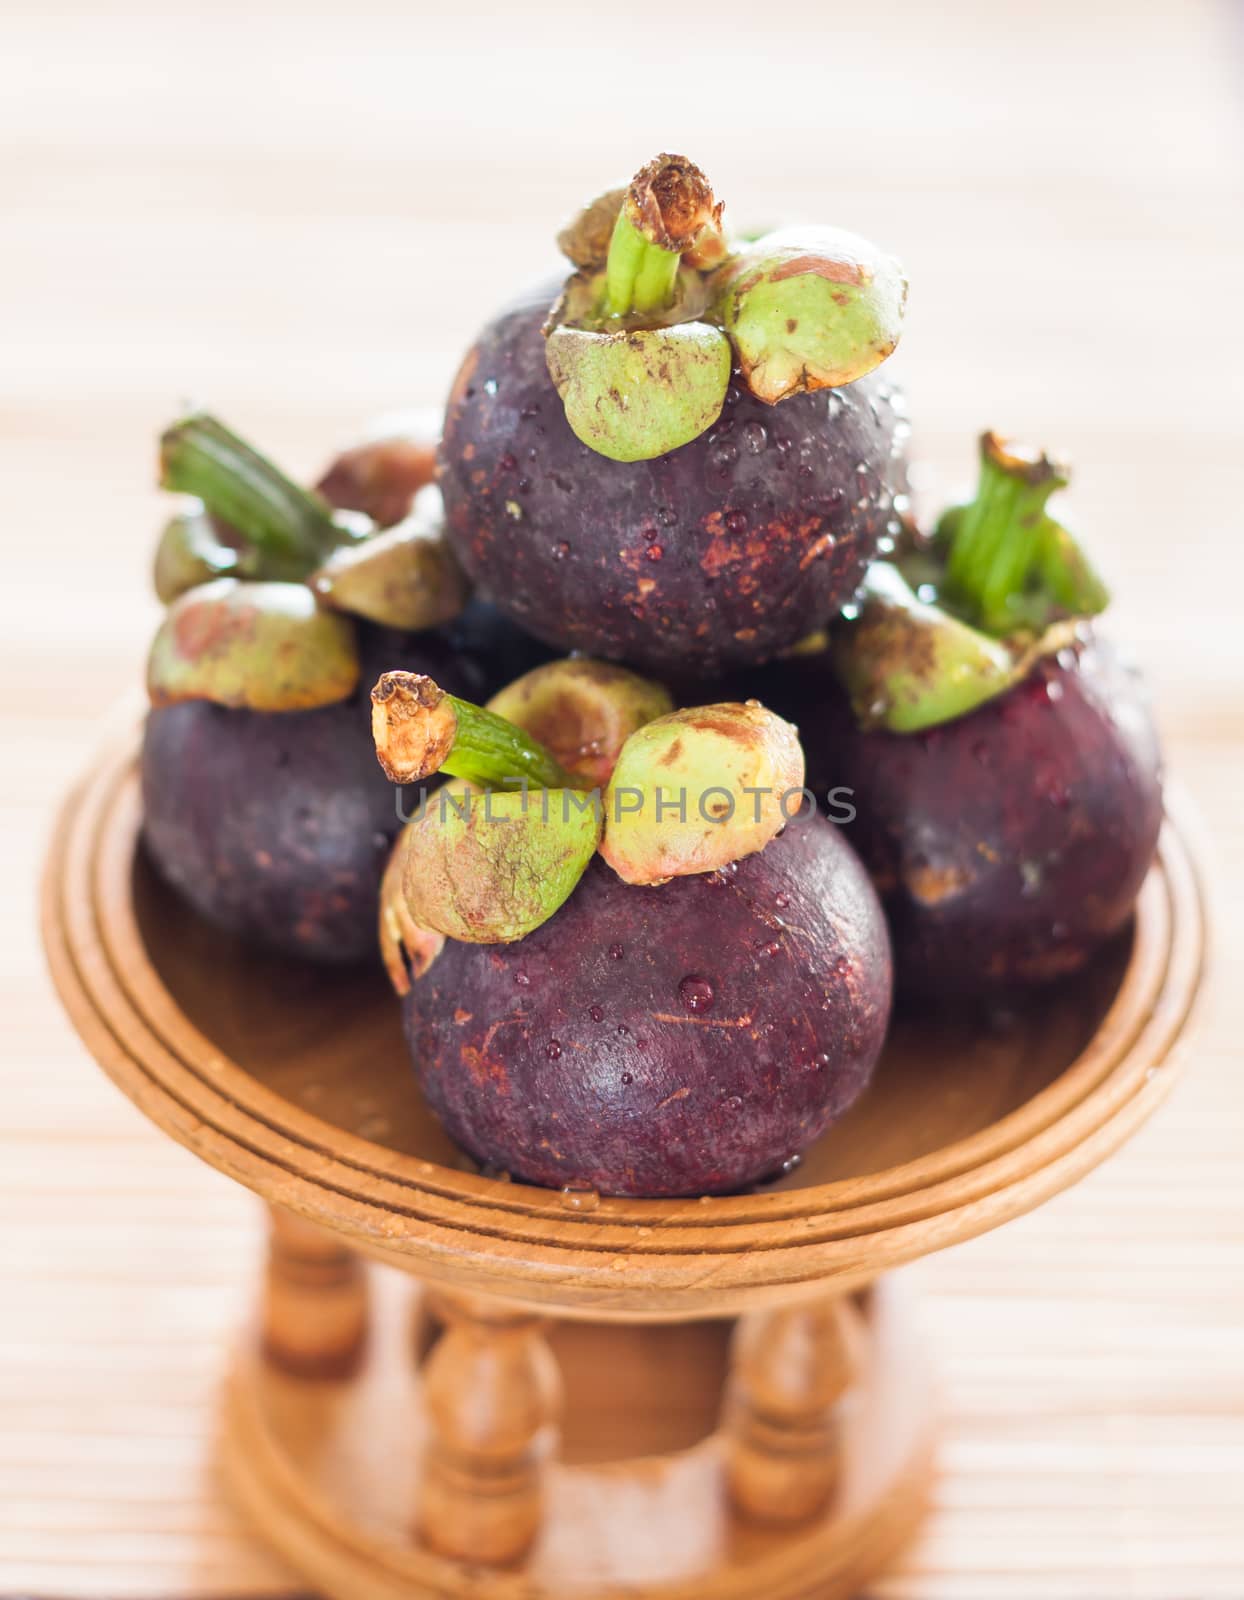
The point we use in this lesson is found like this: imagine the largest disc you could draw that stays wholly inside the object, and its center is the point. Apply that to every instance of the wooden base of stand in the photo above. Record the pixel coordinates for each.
(336, 1473)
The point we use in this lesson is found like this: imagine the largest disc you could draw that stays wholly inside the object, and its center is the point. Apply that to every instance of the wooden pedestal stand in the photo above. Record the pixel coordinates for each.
(582, 1398)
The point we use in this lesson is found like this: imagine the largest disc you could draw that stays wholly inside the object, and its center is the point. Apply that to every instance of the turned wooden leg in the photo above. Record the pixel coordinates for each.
(493, 1394)
(315, 1300)
(789, 1368)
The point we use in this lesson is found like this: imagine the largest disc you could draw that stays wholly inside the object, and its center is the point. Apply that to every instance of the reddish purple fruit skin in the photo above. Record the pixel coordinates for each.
(277, 827)
(1009, 844)
(725, 551)
(587, 1055)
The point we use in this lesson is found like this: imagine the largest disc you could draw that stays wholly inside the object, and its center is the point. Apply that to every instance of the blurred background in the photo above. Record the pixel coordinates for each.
(299, 214)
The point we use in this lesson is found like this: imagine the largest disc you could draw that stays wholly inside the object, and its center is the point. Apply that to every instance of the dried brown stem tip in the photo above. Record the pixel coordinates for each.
(1032, 467)
(413, 724)
(670, 203)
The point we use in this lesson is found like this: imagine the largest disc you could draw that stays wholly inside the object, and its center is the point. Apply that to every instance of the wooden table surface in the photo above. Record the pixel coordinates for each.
(299, 214)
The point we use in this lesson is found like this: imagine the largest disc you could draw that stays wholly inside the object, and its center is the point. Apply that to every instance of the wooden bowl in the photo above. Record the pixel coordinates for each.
(793, 1466)
(297, 1083)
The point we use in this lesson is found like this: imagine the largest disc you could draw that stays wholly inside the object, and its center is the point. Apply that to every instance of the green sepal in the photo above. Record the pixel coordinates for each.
(262, 646)
(700, 788)
(582, 711)
(191, 552)
(907, 664)
(406, 577)
(489, 867)
(637, 393)
(809, 308)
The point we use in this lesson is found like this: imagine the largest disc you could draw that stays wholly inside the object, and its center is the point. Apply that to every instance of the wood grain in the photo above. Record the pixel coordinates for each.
(279, 210)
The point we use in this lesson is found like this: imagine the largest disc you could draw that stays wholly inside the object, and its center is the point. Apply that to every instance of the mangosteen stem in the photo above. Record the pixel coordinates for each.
(418, 729)
(668, 210)
(639, 275)
(1010, 567)
(291, 528)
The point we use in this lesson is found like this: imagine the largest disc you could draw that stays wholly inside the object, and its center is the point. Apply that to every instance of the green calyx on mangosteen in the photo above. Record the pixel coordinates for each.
(1002, 762)
(578, 714)
(642, 342)
(263, 806)
(498, 850)
(960, 619)
(257, 637)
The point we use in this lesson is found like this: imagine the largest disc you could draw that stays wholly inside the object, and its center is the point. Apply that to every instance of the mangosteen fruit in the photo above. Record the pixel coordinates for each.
(688, 460)
(263, 805)
(687, 1029)
(1001, 760)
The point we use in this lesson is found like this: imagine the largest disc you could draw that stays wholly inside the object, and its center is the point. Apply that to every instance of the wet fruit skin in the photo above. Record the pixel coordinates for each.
(727, 550)
(1008, 844)
(276, 827)
(679, 1040)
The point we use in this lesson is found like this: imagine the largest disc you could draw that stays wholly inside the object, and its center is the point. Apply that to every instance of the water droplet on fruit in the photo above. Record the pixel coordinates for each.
(628, 1078)
(782, 445)
(561, 550)
(781, 901)
(522, 980)
(736, 521)
(623, 1030)
(733, 1104)
(818, 1062)
(596, 1013)
(553, 1050)
(654, 552)
(789, 1165)
(490, 386)
(755, 437)
(616, 952)
(580, 1197)
(768, 947)
(696, 994)
(508, 462)
(666, 517)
